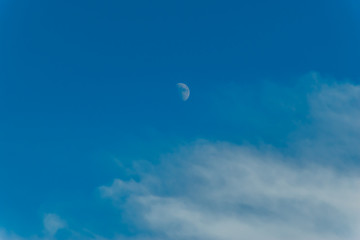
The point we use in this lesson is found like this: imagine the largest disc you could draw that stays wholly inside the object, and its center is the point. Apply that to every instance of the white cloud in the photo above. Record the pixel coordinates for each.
(218, 190)
(333, 136)
(230, 192)
(225, 191)
(53, 223)
(4, 235)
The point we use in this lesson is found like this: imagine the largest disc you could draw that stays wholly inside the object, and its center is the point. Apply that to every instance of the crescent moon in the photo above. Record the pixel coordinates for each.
(184, 91)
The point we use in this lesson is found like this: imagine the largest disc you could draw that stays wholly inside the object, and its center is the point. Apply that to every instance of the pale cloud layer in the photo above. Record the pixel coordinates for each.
(233, 192)
(217, 190)
(308, 190)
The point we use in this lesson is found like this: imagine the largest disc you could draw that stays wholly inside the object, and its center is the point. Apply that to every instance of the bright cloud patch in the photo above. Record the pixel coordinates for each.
(225, 191)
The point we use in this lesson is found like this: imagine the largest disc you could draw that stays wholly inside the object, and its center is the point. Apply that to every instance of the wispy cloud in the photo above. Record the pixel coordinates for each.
(52, 224)
(217, 190)
(308, 190)
(227, 192)
(4, 235)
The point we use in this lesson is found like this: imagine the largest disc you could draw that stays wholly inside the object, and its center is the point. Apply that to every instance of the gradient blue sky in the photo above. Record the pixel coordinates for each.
(88, 104)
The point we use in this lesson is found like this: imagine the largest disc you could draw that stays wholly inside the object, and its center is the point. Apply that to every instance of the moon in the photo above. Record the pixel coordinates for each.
(184, 91)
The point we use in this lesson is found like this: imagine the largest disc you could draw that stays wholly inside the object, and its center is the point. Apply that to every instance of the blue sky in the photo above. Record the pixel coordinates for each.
(95, 142)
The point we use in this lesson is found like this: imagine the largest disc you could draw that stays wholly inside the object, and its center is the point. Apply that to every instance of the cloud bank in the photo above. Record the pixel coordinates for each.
(219, 190)
(308, 190)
